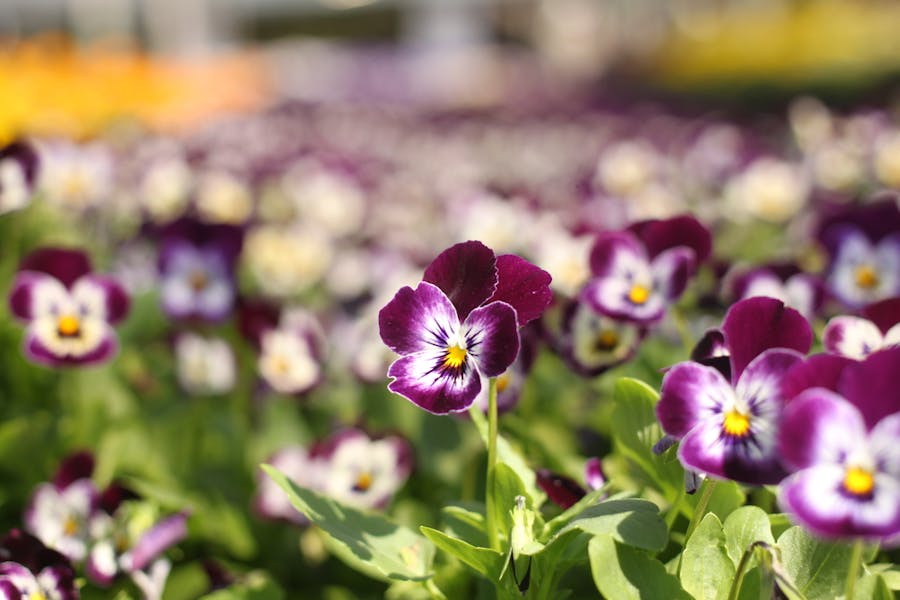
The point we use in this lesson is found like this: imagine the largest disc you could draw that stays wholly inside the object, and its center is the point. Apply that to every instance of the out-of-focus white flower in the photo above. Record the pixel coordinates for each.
(769, 189)
(499, 223)
(326, 201)
(223, 198)
(887, 158)
(811, 122)
(287, 260)
(565, 257)
(838, 165)
(626, 167)
(165, 189)
(75, 177)
(290, 358)
(205, 365)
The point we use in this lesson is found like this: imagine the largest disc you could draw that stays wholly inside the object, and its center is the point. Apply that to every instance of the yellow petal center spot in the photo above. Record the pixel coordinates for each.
(638, 294)
(37, 595)
(503, 382)
(363, 482)
(866, 277)
(455, 357)
(68, 326)
(736, 423)
(859, 481)
(70, 527)
(198, 281)
(607, 340)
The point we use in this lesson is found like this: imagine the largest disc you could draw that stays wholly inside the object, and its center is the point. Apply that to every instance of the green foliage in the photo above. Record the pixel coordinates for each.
(625, 573)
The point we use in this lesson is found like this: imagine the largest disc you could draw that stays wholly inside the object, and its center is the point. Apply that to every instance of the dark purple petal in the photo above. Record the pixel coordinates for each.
(467, 274)
(419, 379)
(225, 240)
(154, 542)
(871, 385)
(819, 426)
(819, 370)
(59, 582)
(8, 591)
(561, 490)
(684, 230)
(754, 325)
(117, 299)
(876, 220)
(28, 551)
(492, 337)
(417, 320)
(608, 250)
(884, 314)
(79, 465)
(690, 391)
(37, 352)
(712, 352)
(671, 270)
(113, 496)
(593, 474)
(66, 265)
(255, 317)
(23, 153)
(24, 288)
(523, 286)
(853, 337)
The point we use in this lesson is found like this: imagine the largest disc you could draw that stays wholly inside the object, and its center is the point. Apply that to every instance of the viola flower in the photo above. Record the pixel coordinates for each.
(30, 570)
(858, 337)
(68, 309)
(196, 265)
(565, 491)
(841, 438)
(73, 177)
(511, 382)
(18, 174)
(205, 365)
(637, 273)
(291, 354)
(459, 324)
(271, 502)
(728, 425)
(361, 471)
(787, 283)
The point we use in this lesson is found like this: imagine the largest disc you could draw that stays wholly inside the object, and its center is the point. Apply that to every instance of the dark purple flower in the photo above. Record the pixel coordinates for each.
(728, 427)
(638, 273)
(459, 324)
(840, 435)
(69, 310)
(565, 491)
(31, 570)
(18, 175)
(857, 337)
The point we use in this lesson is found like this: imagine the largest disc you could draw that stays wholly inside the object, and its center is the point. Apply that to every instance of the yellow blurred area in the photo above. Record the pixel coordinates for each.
(793, 43)
(50, 86)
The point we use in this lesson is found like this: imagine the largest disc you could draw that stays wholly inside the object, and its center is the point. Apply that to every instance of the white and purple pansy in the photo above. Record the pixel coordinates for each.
(196, 265)
(638, 273)
(839, 435)
(69, 310)
(459, 324)
(362, 471)
(787, 283)
(592, 343)
(857, 337)
(728, 425)
(18, 175)
(31, 571)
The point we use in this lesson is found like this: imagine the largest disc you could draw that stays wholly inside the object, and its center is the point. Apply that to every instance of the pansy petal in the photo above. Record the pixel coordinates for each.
(671, 270)
(65, 264)
(561, 490)
(819, 370)
(419, 379)
(871, 385)
(492, 337)
(819, 426)
(610, 296)
(815, 497)
(101, 566)
(707, 449)
(34, 294)
(523, 286)
(615, 252)
(885, 314)
(757, 324)
(155, 541)
(59, 582)
(417, 320)
(883, 442)
(683, 230)
(761, 381)
(114, 297)
(690, 392)
(37, 352)
(466, 273)
(593, 473)
(79, 465)
(8, 591)
(853, 337)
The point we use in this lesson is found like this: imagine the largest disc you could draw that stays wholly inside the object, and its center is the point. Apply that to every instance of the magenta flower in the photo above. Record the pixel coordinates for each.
(840, 435)
(31, 570)
(69, 310)
(727, 423)
(459, 324)
(639, 272)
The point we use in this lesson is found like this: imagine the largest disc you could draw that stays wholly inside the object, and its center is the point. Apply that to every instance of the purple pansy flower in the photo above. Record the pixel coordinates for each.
(459, 324)
(728, 426)
(196, 264)
(857, 337)
(18, 175)
(69, 310)
(799, 290)
(30, 570)
(840, 435)
(637, 273)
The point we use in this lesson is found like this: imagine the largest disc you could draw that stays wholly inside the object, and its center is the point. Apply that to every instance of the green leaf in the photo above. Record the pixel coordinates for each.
(563, 519)
(507, 486)
(631, 521)
(706, 569)
(253, 586)
(372, 540)
(513, 459)
(725, 499)
(872, 587)
(484, 560)
(818, 569)
(635, 430)
(744, 526)
(466, 524)
(624, 573)
(890, 572)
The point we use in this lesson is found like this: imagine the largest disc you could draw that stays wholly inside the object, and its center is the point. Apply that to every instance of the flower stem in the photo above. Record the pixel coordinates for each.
(853, 571)
(709, 486)
(490, 509)
(739, 574)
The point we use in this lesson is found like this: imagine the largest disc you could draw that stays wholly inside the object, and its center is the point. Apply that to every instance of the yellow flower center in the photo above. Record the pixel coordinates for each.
(363, 482)
(70, 527)
(859, 481)
(455, 357)
(607, 340)
(37, 595)
(866, 277)
(638, 294)
(199, 281)
(503, 382)
(736, 423)
(68, 326)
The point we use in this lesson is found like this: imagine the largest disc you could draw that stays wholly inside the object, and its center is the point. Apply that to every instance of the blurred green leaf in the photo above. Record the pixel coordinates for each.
(625, 573)
(253, 586)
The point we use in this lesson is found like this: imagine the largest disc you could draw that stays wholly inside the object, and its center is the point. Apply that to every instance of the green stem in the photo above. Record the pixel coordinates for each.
(434, 590)
(700, 510)
(490, 509)
(739, 574)
(853, 571)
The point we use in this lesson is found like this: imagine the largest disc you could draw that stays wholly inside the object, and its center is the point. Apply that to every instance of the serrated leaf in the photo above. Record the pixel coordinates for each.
(743, 527)
(706, 569)
(371, 539)
(484, 560)
(624, 573)
(817, 569)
